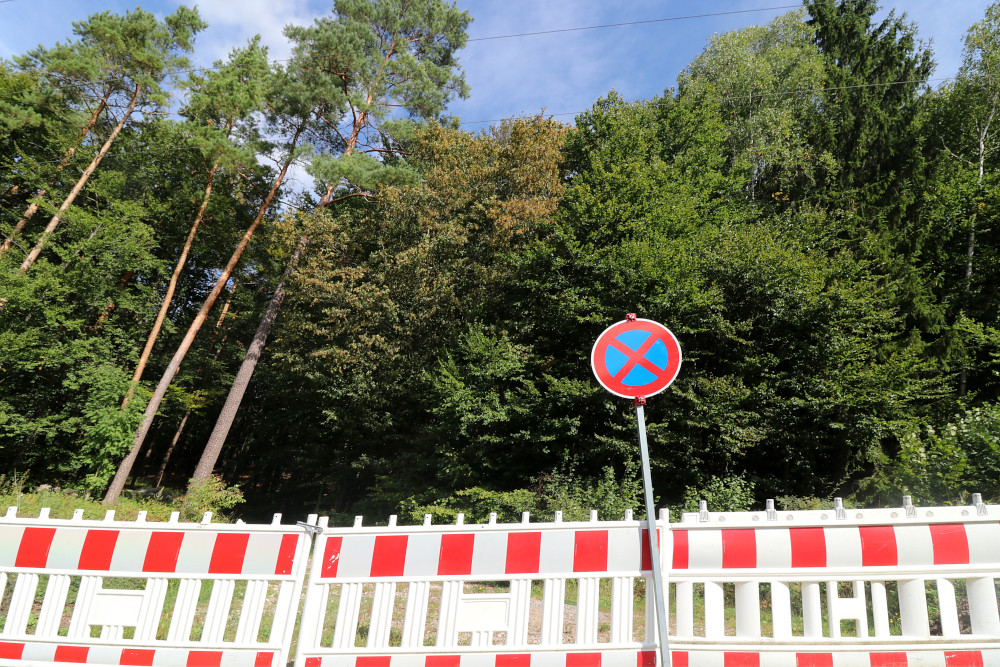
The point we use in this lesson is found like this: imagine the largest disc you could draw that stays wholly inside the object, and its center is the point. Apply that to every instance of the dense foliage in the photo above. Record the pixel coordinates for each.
(814, 222)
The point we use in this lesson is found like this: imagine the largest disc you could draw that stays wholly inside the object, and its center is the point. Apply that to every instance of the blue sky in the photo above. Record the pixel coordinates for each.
(563, 73)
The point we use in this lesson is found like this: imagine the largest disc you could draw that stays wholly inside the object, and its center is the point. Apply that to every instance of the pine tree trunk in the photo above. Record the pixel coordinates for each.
(118, 483)
(171, 286)
(32, 208)
(170, 450)
(82, 181)
(218, 437)
(180, 428)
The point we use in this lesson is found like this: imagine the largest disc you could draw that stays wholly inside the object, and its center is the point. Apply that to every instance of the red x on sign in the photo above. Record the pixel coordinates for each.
(636, 358)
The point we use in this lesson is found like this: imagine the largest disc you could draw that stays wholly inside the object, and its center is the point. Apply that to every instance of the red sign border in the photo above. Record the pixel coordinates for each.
(618, 389)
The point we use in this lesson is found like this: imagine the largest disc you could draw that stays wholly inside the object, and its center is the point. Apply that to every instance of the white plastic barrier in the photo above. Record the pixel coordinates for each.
(494, 594)
(886, 588)
(906, 587)
(142, 593)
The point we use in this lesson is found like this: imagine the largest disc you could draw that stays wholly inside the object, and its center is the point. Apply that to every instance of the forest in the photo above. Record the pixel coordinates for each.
(410, 332)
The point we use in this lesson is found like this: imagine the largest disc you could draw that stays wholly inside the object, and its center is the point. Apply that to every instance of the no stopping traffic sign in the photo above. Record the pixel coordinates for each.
(636, 358)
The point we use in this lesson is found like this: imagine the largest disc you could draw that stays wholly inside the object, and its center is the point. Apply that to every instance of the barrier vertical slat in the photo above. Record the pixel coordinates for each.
(219, 603)
(849, 608)
(880, 610)
(948, 609)
(520, 601)
(650, 627)
(315, 609)
(287, 594)
(252, 612)
(53, 604)
(553, 597)
(748, 610)
(415, 617)
(152, 608)
(812, 609)
(381, 615)
(621, 610)
(448, 618)
(781, 610)
(3, 590)
(685, 609)
(21, 602)
(913, 609)
(348, 612)
(587, 601)
(78, 628)
(715, 611)
(184, 608)
(983, 606)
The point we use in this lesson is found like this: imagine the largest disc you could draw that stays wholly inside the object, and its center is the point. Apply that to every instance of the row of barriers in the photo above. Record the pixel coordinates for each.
(839, 588)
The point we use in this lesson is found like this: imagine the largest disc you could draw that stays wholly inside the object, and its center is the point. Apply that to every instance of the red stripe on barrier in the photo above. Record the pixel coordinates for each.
(813, 660)
(951, 544)
(523, 552)
(286, 554)
(11, 650)
(739, 548)
(442, 661)
(389, 557)
(455, 556)
(647, 562)
(228, 554)
(808, 547)
(204, 659)
(137, 656)
(98, 548)
(71, 654)
(331, 556)
(590, 551)
(963, 658)
(264, 659)
(583, 660)
(646, 659)
(370, 661)
(680, 561)
(34, 548)
(679, 658)
(162, 552)
(878, 546)
(888, 659)
(513, 660)
(314, 662)
(741, 659)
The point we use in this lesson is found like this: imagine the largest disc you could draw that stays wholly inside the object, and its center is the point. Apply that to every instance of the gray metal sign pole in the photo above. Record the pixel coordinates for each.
(654, 551)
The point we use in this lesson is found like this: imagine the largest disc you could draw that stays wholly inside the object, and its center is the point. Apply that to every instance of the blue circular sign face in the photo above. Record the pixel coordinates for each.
(636, 358)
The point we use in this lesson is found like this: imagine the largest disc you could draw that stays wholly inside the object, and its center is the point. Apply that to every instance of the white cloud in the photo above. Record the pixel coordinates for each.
(231, 25)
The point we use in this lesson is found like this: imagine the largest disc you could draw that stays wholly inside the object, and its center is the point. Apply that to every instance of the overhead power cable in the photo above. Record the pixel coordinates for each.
(626, 23)
(528, 34)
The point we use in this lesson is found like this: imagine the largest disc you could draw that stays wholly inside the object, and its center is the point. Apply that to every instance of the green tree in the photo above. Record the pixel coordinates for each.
(765, 81)
(132, 55)
(382, 56)
(874, 75)
(218, 102)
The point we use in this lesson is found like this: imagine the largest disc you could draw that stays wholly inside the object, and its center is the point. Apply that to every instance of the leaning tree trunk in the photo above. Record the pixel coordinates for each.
(187, 413)
(118, 483)
(171, 287)
(33, 207)
(215, 441)
(54, 222)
